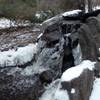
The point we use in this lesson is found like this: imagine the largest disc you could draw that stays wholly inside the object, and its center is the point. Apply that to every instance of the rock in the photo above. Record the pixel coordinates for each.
(52, 34)
(18, 87)
(87, 43)
(81, 86)
(78, 88)
(46, 76)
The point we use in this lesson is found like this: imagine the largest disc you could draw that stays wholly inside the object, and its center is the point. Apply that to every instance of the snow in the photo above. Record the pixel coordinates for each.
(96, 8)
(96, 90)
(72, 90)
(77, 70)
(18, 57)
(33, 69)
(72, 12)
(38, 15)
(6, 23)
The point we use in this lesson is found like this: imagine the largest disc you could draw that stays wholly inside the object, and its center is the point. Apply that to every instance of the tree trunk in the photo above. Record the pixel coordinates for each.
(89, 5)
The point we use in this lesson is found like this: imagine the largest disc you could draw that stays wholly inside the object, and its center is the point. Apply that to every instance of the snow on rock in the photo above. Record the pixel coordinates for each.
(96, 8)
(77, 70)
(74, 12)
(18, 57)
(96, 90)
(72, 90)
(5, 23)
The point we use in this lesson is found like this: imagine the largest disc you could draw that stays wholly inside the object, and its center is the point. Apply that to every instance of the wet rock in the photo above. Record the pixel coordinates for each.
(87, 43)
(46, 76)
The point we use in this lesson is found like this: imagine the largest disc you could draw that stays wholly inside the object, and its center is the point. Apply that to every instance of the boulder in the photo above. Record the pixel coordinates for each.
(87, 43)
(79, 86)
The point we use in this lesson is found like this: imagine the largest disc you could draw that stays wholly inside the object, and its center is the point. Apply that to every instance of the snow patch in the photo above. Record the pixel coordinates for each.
(74, 12)
(77, 70)
(96, 90)
(7, 23)
(18, 57)
(38, 15)
(96, 8)
(72, 90)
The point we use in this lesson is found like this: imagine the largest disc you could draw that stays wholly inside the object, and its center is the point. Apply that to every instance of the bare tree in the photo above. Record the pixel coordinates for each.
(81, 5)
(90, 5)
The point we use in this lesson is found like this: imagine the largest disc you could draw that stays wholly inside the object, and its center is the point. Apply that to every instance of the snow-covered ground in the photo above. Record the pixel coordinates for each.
(18, 57)
(6, 23)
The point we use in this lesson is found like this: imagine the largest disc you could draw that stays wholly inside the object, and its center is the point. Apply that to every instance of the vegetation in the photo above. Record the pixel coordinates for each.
(26, 9)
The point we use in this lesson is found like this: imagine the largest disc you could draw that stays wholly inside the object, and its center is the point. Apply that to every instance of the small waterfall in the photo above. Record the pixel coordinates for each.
(54, 92)
(77, 55)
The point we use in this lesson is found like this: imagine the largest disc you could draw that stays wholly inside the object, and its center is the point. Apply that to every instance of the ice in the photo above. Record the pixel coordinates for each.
(96, 90)
(40, 35)
(77, 55)
(61, 95)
